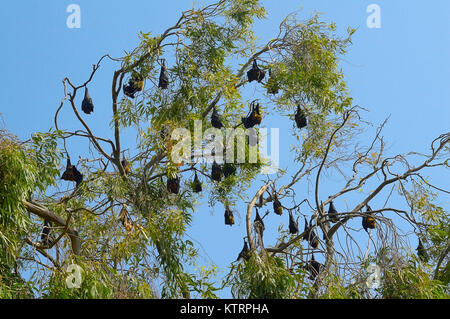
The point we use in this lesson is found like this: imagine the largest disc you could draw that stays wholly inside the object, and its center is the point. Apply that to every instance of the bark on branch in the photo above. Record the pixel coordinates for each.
(45, 213)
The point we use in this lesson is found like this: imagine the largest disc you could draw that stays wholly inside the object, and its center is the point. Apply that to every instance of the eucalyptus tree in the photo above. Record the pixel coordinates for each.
(124, 220)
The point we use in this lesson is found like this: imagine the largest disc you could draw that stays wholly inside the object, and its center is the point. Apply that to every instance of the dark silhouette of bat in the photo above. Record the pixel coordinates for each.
(216, 172)
(229, 218)
(215, 119)
(68, 173)
(255, 73)
(87, 106)
(245, 252)
(45, 235)
(332, 213)
(421, 252)
(173, 185)
(368, 222)
(293, 226)
(314, 268)
(196, 184)
(306, 230)
(310, 235)
(277, 208)
(135, 84)
(272, 85)
(78, 176)
(314, 240)
(228, 169)
(163, 76)
(254, 118)
(300, 118)
(72, 174)
(246, 122)
(129, 89)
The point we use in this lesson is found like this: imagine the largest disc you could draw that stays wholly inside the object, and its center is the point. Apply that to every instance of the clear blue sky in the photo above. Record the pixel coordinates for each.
(401, 70)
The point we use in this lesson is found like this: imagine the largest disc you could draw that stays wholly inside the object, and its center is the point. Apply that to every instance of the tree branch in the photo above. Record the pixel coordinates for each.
(43, 212)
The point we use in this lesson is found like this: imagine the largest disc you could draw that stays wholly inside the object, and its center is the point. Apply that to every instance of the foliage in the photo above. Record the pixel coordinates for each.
(411, 280)
(18, 175)
(134, 231)
(266, 279)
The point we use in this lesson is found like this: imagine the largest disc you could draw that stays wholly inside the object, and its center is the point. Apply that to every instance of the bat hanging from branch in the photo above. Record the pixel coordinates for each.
(87, 106)
(216, 172)
(293, 226)
(46, 231)
(277, 208)
(300, 118)
(215, 119)
(229, 218)
(255, 73)
(245, 252)
(196, 184)
(368, 222)
(173, 185)
(163, 76)
(72, 174)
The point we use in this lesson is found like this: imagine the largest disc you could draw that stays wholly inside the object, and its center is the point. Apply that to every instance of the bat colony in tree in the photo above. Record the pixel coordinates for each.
(136, 84)
(301, 117)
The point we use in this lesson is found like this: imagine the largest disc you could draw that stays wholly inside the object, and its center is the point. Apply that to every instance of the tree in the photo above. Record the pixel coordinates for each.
(124, 220)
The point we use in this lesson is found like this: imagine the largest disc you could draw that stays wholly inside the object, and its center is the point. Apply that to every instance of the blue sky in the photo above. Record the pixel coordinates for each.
(401, 70)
